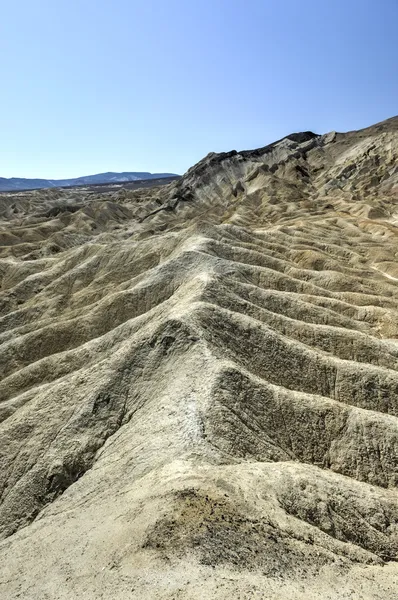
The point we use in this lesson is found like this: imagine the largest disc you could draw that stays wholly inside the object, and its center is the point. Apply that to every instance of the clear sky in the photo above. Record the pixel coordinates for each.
(112, 85)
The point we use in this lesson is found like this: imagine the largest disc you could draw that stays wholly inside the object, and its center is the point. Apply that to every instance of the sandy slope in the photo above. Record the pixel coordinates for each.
(199, 394)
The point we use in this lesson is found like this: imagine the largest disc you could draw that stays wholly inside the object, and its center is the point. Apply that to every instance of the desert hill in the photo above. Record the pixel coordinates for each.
(21, 183)
(199, 393)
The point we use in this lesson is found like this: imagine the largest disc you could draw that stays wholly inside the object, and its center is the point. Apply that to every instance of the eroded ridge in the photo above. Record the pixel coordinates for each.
(204, 375)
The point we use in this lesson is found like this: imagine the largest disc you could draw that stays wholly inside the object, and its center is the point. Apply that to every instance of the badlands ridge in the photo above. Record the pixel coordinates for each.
(199, 381)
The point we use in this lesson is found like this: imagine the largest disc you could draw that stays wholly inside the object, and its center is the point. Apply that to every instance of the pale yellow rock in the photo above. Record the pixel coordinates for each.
(199, 392)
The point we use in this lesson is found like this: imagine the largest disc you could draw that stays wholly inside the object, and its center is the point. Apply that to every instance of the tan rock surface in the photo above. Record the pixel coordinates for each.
(199, 393)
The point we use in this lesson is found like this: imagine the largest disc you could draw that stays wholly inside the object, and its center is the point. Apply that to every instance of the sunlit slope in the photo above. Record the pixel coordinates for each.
(199, 384)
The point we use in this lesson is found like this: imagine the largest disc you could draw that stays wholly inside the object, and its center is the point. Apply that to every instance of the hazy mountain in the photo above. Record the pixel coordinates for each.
(199, 393)
(18, 183)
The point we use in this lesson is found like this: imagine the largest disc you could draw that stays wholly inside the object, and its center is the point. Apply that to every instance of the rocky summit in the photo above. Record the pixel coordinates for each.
(199, 393)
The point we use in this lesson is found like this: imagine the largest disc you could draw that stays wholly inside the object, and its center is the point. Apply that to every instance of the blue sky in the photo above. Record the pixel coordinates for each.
(90, 86)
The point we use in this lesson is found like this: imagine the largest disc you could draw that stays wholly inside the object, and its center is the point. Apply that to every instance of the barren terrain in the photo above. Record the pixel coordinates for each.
(199, 381)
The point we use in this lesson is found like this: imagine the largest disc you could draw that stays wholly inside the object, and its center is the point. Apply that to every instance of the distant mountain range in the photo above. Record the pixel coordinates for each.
(19, 183)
